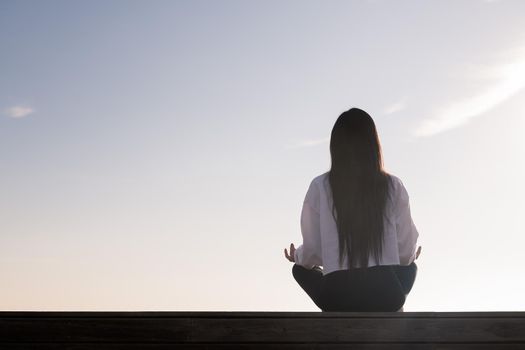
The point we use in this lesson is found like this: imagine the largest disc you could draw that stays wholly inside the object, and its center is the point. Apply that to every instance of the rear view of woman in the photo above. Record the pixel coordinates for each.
(356, 225)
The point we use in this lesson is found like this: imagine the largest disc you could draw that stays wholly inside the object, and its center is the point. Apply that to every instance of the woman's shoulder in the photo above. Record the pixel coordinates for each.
(321, 182)
(397, 186)
(317, 186)
(320, 178)
(395, 180)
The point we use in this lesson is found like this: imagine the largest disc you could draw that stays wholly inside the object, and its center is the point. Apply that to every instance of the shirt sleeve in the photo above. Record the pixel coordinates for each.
(309, 253)
(407, 233)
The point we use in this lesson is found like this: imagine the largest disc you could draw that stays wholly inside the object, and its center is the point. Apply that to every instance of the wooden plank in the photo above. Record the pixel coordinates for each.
(272, 329)
(250, 346)
(263, 314)
(358, 330)
(90, 329)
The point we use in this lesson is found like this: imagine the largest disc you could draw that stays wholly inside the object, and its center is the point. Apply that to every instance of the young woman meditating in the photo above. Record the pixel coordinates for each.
(356, 225)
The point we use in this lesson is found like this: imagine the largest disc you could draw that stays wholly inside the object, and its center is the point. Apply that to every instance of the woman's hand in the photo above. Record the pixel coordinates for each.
(290, 257)
(418, 252)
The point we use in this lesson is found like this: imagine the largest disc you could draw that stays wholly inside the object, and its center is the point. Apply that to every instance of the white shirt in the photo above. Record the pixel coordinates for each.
(319, 229)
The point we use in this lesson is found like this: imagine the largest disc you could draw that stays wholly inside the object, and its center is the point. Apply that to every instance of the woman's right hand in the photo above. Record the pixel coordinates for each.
(291, 256)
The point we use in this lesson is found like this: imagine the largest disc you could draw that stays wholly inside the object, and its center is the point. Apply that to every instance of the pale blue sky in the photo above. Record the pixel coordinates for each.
(154, 155)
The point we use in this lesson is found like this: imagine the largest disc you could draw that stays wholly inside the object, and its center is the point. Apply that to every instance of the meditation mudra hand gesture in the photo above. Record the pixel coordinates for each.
(291, 257)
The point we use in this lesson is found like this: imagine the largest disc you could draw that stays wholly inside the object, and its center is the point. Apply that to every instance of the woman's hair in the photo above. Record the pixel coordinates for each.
(359, 187)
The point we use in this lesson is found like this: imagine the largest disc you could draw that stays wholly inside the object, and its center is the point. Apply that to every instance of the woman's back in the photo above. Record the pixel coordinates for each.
(320, 235)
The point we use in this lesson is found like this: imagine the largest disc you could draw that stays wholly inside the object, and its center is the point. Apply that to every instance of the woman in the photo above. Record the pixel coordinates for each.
(356, 224)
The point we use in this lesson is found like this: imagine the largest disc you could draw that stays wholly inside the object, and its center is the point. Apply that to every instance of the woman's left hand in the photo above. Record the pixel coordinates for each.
(290, 257)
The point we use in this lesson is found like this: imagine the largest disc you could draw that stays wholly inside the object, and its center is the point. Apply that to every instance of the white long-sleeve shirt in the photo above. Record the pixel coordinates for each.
(319, 229)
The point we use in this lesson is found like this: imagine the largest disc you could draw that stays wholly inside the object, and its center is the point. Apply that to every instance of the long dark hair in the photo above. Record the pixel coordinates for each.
(359, 187)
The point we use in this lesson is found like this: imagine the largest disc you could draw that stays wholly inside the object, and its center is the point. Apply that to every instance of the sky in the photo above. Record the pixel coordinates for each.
(154, 155)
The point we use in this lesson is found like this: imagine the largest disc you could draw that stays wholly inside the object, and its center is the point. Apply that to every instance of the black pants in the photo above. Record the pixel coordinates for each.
(376, 288)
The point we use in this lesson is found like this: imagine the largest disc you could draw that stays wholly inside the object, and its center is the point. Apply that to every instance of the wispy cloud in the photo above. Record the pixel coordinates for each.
(395, 107)
(510, 79)
(18, 111)
(308, 143)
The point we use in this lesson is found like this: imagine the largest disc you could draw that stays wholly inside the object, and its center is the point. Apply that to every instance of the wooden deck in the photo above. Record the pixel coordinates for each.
(261, 330)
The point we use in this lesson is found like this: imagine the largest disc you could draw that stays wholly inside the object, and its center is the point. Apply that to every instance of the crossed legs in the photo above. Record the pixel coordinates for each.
(310, 280)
